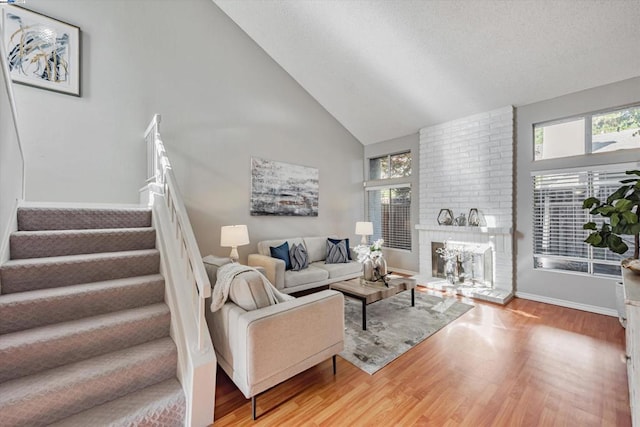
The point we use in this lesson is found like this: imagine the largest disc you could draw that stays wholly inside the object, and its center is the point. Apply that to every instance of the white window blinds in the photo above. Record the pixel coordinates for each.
(558, 217)
(389, 210)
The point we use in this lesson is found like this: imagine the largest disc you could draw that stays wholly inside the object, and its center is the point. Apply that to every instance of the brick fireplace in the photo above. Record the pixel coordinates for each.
(468, 163)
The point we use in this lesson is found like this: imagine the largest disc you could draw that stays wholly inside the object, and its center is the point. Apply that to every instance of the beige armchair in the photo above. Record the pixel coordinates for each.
(261, 348)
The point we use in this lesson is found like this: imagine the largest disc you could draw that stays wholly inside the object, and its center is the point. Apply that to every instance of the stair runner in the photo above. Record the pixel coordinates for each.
(84, 330)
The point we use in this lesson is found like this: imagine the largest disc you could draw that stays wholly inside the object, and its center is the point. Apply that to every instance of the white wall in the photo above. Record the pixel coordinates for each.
(580, 291)
(401, 259)
(223, 100)
(11, 164)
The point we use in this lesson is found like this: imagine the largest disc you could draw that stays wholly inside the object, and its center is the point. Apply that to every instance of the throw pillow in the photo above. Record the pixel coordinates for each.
(336, 252)
(298, 256)
(282, 252)
(347, 243)
(249, 291)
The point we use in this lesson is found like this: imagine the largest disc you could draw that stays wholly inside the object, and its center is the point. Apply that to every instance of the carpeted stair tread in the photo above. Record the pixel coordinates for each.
(50, 243)
(161, 404)
(27, 352)
(25, 310)
(67, 218)
(39, 273)
(55, 394)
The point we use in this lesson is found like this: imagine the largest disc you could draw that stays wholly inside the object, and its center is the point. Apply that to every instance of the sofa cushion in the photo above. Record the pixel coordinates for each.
(299, 258)
(336, 252)
(339, 270)
(249, 291)
(282, 252)
(316, 248)
(302, 277)
(263, 246)
(347, 243)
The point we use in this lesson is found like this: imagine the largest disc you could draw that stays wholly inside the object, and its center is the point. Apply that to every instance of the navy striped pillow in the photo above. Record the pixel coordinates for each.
(336, 252)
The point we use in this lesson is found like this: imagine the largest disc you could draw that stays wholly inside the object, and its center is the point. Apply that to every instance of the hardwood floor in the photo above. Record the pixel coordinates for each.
(526, 364)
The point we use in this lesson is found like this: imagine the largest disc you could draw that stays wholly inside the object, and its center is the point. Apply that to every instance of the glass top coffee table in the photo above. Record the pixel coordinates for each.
(370, 293)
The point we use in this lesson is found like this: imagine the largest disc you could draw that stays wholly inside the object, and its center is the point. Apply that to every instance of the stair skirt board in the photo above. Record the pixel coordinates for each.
(84, 330)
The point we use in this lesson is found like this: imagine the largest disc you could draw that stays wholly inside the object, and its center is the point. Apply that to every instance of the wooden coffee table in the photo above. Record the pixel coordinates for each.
(368, 294)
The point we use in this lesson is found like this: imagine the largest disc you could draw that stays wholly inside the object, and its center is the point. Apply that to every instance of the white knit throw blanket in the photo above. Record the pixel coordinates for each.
(225, 276)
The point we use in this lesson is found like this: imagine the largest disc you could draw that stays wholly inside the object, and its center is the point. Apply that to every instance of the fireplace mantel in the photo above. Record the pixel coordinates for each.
(494, 231)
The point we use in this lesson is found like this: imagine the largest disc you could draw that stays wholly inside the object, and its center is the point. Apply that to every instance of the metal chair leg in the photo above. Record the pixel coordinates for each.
(334, 364)
(253, 407)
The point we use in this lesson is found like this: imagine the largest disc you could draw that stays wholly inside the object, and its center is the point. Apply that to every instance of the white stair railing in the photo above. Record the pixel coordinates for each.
(159, 172)
(186, 282)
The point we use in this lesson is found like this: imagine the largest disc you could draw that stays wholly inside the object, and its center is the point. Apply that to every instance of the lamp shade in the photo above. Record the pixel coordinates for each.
(364, 228)
(234, 235)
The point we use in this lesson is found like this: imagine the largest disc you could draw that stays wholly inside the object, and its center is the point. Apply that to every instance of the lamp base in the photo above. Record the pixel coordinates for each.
(234, 254)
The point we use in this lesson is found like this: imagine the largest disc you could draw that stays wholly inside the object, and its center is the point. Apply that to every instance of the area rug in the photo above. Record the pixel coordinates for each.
(393, 327)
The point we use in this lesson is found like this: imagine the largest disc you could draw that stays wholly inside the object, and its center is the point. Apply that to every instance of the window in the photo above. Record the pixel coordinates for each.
(389, 210)
(390, 166)
(389, 203)
(558, 237)
(592, 133)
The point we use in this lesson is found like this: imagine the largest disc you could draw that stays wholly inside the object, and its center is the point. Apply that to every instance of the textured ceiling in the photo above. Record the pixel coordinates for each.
(385, 69)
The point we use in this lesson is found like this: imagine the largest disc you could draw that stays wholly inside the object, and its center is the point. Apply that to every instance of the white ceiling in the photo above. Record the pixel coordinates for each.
(385, 69)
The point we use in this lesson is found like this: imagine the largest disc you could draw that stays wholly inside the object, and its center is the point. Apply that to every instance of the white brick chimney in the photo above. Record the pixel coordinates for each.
(468, 163)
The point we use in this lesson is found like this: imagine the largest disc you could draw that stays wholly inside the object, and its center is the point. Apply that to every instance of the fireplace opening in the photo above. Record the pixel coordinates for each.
(475, 262)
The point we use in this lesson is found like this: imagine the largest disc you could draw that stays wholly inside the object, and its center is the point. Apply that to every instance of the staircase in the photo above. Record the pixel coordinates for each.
(84, 330)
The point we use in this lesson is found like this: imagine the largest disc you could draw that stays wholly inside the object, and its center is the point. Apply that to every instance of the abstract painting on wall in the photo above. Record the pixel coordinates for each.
(41, 51)
(283, 189)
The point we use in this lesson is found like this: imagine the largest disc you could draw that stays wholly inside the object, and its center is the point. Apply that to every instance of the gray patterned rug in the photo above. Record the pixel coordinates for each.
(393, 327)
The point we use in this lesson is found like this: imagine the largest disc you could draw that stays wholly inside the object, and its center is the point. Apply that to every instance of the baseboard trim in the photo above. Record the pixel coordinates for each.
(569, 304)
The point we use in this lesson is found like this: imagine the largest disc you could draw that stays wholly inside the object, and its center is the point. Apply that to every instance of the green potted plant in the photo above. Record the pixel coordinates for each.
(621, 213)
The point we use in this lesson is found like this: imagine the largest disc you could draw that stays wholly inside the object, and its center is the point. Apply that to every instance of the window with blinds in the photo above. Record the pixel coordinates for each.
(558, 217)
(389, 209)
(389, 199)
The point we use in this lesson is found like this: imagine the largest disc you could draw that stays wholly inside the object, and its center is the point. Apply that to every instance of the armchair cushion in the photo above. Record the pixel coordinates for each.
(249, 291)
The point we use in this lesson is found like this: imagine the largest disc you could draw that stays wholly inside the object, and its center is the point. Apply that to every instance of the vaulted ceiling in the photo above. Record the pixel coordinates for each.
(386, 68)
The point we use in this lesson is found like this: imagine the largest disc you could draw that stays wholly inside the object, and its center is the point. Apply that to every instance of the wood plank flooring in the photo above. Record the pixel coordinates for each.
(526, 364)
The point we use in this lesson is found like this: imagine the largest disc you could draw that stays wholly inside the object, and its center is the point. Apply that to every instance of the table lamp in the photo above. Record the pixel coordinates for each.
(233, 236)
(364, 229)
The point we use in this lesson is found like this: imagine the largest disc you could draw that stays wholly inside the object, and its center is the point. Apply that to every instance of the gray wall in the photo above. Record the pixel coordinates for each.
(399, 259)
(576, 290)
(223, 100)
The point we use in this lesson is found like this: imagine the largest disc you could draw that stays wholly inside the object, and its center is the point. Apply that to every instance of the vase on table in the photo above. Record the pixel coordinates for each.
(368, 270)
(380, 265)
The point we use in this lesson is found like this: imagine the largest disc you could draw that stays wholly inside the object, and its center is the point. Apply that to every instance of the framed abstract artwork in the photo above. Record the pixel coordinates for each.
(283, 189)
(41, 51)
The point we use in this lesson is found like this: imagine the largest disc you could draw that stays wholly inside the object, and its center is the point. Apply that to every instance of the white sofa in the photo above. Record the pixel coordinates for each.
(317, 274)
(261, 348)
